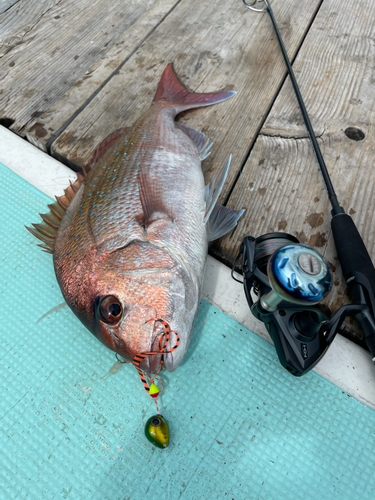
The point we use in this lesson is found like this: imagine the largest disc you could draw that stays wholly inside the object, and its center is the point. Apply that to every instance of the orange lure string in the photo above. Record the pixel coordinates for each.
(140, 357)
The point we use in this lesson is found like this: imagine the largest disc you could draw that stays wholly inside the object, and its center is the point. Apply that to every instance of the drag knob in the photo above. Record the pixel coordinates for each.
(298, 274)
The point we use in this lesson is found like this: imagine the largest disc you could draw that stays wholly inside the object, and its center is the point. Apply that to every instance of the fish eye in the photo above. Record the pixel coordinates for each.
(110, 309)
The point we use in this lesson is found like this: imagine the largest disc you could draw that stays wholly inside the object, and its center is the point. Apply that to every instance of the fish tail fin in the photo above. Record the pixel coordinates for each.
(172, 90)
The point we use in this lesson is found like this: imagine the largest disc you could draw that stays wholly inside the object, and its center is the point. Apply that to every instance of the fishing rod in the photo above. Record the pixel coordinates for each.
(290, 295)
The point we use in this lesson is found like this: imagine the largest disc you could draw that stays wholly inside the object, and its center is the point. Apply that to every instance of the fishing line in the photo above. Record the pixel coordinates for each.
(151, 388)
(138, 358)
(267, 247)
(270, 106)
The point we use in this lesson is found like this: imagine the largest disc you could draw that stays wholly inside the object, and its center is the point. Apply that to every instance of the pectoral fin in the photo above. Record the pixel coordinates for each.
(152, 200)
(212, 192)
(222, 220)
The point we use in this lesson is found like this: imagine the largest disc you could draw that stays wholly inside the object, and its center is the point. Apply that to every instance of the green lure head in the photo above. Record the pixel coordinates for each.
(157, 431)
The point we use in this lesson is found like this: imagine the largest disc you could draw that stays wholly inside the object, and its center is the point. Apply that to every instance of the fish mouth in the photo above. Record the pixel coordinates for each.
(152, 363)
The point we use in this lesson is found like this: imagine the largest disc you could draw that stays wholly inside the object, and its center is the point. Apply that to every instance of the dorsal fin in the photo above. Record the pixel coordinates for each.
(105, 145)
(198, 138)
(46, 231)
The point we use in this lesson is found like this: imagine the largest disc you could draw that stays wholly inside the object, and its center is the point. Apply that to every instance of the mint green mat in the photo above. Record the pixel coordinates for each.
(241, 427)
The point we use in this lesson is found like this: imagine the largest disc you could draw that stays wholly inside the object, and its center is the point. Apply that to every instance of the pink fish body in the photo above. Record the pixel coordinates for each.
(130, 237)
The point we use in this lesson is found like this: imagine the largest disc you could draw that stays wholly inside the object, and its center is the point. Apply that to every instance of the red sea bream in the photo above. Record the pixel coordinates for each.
(129, 238)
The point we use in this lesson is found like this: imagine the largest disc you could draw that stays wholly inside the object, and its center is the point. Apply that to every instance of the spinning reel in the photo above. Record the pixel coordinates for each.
(284, 283)
(290, 279)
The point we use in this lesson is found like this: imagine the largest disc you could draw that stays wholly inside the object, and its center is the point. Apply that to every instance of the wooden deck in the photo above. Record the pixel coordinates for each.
(72, 72)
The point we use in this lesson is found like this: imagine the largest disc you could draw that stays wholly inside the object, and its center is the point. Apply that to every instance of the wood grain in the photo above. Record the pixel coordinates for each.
(47, 46)
(281, 185)
(7, 4)
(18, 19)
(335, 72)
(41, 130)
(226, 47)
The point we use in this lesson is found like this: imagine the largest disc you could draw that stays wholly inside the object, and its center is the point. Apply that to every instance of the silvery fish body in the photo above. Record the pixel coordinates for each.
(129, 238)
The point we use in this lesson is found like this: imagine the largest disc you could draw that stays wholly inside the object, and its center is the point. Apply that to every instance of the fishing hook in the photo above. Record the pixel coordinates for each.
(122, 361)
(250, 5)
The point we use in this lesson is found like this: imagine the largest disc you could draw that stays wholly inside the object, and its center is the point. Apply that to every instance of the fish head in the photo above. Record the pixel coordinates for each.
(128, 328)
(122, 296)
(139, 310)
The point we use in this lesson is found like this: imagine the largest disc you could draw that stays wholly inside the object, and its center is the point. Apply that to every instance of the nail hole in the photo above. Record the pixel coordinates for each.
(354, 133)
(6, 122)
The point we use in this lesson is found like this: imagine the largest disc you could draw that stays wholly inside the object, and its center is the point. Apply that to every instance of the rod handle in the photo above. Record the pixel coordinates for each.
(351, 251)
(358, 270)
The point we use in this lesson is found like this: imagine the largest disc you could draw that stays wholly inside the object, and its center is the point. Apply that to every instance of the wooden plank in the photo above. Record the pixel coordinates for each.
(18, 19)
(281, 185)
(7, 4)
(47, 46)
(213, 47)
(41, 130)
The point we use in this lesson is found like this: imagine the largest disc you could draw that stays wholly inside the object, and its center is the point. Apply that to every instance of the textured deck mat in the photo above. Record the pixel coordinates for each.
(241, 427)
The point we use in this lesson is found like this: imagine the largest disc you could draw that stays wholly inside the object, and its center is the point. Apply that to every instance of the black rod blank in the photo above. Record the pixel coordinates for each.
(331, 192)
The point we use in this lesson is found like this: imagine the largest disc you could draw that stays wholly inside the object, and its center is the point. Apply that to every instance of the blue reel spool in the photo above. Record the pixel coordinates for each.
(297, 274)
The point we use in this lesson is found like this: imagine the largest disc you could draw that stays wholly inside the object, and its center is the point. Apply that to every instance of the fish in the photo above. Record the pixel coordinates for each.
(130, 236)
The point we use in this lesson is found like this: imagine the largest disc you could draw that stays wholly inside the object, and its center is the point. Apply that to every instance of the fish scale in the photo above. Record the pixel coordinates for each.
(131, 246)
(124, 207)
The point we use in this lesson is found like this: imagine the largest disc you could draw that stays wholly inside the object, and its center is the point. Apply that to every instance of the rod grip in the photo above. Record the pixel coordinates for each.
(351, 250)
(359, 273)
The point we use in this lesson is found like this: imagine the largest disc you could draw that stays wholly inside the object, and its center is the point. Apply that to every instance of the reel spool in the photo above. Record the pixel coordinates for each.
(284, 283)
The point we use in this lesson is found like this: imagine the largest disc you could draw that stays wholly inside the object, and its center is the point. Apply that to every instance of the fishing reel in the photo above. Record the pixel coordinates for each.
(284, 284)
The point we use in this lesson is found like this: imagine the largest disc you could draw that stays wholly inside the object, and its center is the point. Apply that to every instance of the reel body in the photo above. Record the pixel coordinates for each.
(284, 283)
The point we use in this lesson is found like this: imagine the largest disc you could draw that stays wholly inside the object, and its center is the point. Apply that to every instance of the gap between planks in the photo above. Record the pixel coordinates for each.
(218, 56)
(48, 46)
(82, 90)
